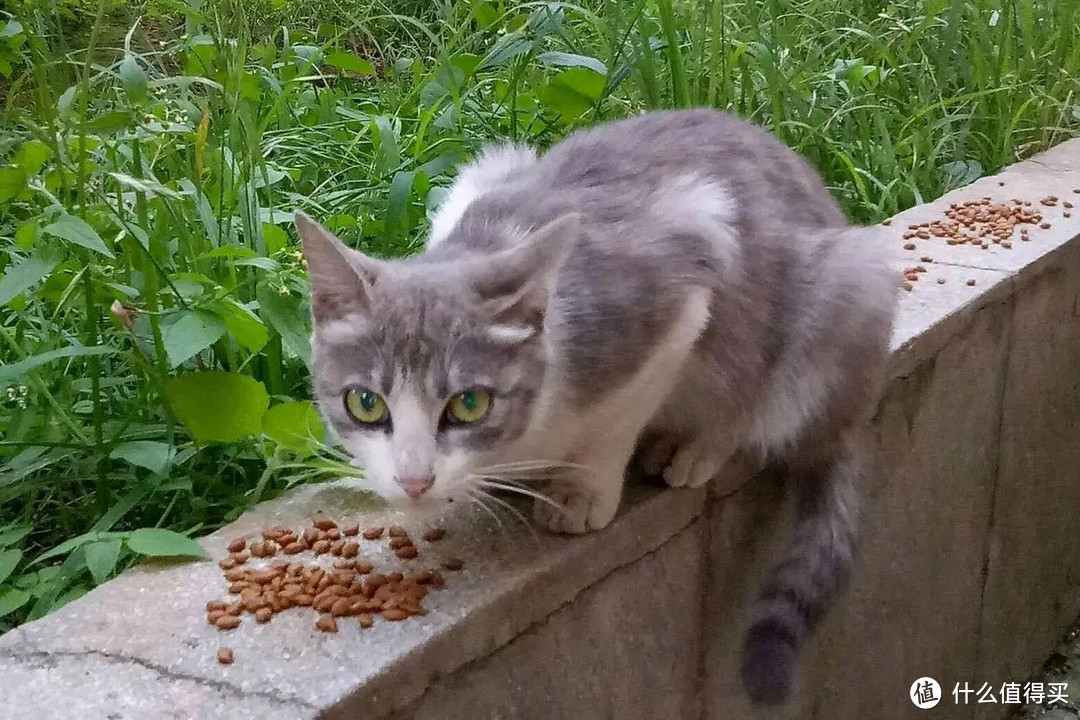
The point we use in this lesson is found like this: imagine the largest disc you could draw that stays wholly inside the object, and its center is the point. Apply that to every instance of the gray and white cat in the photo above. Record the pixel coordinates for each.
(676, 287)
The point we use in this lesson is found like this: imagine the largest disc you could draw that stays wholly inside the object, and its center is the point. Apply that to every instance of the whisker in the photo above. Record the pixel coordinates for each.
(481, 481)
(477, 501)
(513, 510)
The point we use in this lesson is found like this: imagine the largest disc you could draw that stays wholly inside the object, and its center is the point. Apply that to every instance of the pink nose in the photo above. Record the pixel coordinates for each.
(416, 486)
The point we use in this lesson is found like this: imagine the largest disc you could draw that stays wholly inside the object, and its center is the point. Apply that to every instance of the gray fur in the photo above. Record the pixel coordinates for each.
(678, 283)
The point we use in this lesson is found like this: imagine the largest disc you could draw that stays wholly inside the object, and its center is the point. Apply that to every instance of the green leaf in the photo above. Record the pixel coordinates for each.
(244, 325)
(101, 558)
(26, 235)
(506, 49)
(195, 331)
(572, 92)
(65, 102)
(283, 314)
(274, 237)
(218, 406)
(134, 79)
(349, 62)
(159, 542)
(16, 371)
(398, 203)
(295, 426)
(154, 456)
(8, 560)
(32, 156)
(12, 182)
(25, 275)
(12, 599)
(562, 59)
(78, 231)
(13, 534)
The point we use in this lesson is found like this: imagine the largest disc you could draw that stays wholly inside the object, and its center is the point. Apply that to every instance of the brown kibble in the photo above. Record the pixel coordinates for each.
(312, 535)
(333, 534)
(909, 246)
(239, 557)
(293, 548)
(237, 545)
(397, 543)
(366, 620)
(886, 222)
(236, 574)
(350, 549)
(213, 616)
(1066, 204)
(1001, 183)
(1066, 214)
(326, 623)
(1045, 226)
(454, 564)
(941, 281)
(926, 259)
(407, 553)
(341, 606)
(1076, 190)
(435, 535)
(970, 282)
(397, 531)
(321, 547)
(336, 547)
(351, 531)
(363, 567)
(234, 608)
(394, 614)
(913, 277)
(264, 614)
(227, 563)
(373, 533)
(1006, 244)
(906, 285)
(216, 605)
(228, 622)
(323, 523)
(225, 656)
(238, 587)
(437, 580)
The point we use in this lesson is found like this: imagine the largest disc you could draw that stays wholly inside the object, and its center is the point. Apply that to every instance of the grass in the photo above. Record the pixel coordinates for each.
(153, 312)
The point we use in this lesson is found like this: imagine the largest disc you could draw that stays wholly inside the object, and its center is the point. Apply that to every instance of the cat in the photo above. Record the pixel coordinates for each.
(673, 287)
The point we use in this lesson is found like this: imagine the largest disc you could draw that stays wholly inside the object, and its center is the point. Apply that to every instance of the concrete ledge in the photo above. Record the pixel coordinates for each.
(969, 569)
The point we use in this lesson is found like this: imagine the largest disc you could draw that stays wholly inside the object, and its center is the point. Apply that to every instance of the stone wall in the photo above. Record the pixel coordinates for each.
(969, 569)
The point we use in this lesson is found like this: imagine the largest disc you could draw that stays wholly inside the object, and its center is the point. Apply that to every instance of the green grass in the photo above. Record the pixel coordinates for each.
(152, 299)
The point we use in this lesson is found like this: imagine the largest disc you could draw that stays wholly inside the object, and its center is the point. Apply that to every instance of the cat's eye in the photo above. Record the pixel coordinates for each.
(469, 406)
(365, 406)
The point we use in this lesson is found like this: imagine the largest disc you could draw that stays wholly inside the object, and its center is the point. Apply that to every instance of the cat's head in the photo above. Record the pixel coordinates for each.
(430, 371)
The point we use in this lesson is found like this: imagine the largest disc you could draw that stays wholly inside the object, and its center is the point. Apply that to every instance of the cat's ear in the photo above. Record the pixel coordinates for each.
(341, 278)
(517, 284)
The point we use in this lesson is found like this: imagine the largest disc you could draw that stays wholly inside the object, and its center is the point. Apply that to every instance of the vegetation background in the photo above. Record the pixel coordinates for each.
(153, 307)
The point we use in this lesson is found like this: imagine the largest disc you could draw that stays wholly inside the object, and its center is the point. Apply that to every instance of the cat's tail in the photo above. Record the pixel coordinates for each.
(814, 567)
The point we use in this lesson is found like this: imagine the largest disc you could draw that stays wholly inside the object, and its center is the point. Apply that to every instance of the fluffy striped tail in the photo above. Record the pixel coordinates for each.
(814, 568)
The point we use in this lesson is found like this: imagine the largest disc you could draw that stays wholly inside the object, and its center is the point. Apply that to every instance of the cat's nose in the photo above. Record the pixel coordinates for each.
(416, 486)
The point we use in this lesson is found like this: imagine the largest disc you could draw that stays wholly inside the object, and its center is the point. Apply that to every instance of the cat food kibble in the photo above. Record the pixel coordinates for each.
(980, 224)
(349, 587)
(225, 656)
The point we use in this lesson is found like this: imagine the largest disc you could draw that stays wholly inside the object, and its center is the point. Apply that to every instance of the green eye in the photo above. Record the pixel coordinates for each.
(365, 406)
(469, 406)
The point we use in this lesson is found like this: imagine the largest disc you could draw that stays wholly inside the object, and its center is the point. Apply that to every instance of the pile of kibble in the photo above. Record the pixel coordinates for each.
(350, 588)
(979, 224)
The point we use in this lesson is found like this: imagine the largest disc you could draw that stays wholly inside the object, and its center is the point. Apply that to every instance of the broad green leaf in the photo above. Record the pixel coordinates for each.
(218, 406)
(562, 59)
(134, 79)
(195, 331)
(283, 314)
(244, 325)
(572, 92)
(32, 156)
(16, 371)
(159, 542)
(398, 202)
(12, 599)
(101, 558)
(274, 237)
(347, 61)
(67, 546)
(8, 560)
(78, 231)
(508, 47)
(26, 235)
(295, 426)
(25, 275)
(154, 456)
(12, 182)
(13, 534)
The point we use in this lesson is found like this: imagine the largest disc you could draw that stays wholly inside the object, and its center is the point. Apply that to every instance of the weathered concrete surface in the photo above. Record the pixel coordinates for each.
(969, 566)
(627, 647)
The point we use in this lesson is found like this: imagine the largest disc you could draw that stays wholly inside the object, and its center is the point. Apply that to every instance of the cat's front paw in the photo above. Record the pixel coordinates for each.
(574, 510)
(693, 465)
